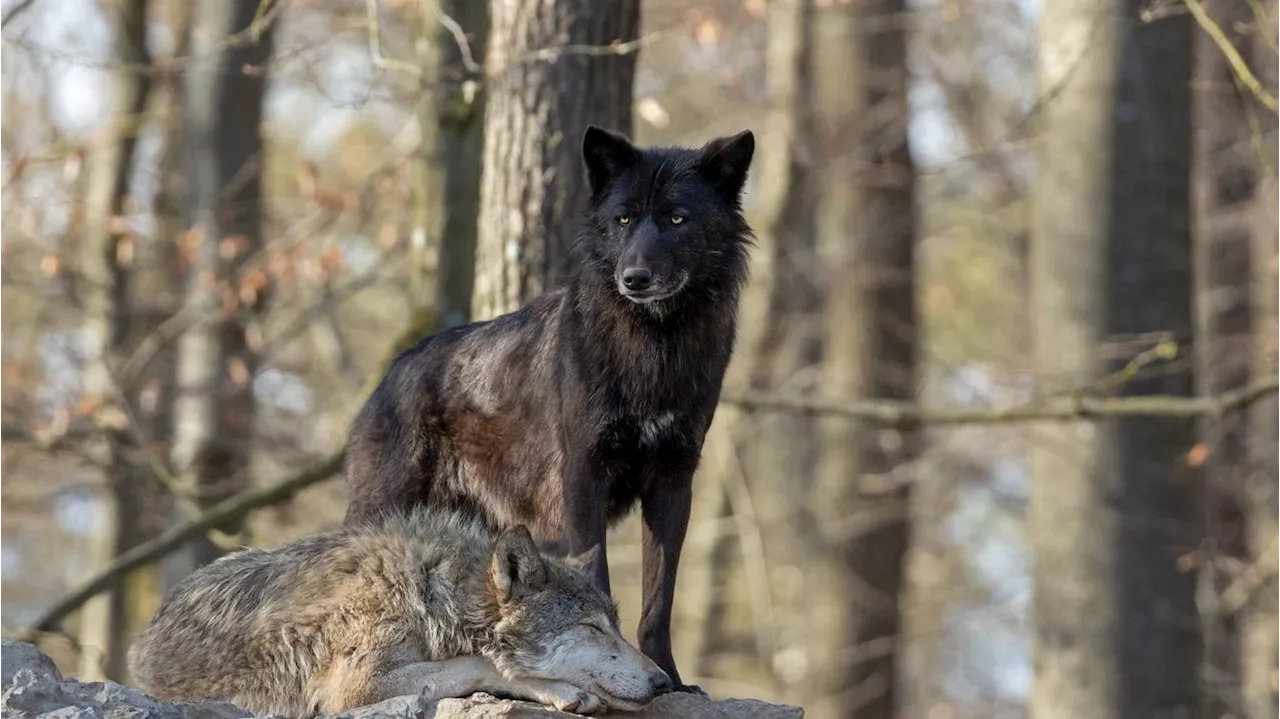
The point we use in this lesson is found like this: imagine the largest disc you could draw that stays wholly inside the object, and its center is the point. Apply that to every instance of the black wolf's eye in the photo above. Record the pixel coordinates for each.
(677, 219)
(624, 219)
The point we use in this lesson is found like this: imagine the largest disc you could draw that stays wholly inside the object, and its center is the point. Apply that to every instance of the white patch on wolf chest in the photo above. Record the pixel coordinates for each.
(652, 427)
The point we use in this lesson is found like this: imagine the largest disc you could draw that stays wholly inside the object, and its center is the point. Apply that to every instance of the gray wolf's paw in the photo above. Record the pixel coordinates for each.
(568, 698)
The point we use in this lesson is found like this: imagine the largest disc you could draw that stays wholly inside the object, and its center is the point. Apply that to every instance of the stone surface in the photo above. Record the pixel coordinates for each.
(33, 687)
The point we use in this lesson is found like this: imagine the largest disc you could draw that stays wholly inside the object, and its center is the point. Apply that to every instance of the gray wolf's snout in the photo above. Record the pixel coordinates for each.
(637, 279)
(660, 682)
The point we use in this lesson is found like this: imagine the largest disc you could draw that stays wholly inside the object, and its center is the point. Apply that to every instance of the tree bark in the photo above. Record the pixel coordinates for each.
(1261, 620)
(1238, 150)
(452, 120)
(871, 344)
(548, 76)
(222, 147)
(106, 626)
(782, 216)
(1235, 239)
(1111, 505)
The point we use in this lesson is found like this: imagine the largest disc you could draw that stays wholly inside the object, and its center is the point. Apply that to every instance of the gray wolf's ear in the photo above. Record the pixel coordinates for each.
(583, 562)
(605, 154)
(725, 161)
(516, 564)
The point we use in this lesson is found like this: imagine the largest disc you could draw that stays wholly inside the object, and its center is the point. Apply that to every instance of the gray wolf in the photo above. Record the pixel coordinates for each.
(564, 414)
(421, 602)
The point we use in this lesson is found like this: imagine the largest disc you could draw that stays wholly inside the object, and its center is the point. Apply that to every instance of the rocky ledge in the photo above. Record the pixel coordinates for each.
(33, 687)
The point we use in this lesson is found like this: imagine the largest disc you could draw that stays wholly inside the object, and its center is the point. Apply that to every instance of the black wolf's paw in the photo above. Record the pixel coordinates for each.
(690, 689)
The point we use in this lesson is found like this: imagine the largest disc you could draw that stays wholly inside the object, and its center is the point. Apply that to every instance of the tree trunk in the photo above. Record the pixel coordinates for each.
(783, 210)
(780, 448)
(871, 345)
(448, 205)
(549, 76)
(1240, 224)
(110, 248)
(1235, 239)
(223, 161)
(1111, 506)
(1261, 620)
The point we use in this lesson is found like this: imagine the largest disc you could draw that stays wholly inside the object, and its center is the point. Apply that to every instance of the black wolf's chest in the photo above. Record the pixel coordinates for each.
(636, 450)
(638, 434)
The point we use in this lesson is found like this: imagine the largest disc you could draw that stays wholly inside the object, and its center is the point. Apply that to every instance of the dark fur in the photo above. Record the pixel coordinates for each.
(564, 414)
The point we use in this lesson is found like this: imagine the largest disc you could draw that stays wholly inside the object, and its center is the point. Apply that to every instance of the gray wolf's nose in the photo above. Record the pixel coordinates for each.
(636, 278)
(660, 682)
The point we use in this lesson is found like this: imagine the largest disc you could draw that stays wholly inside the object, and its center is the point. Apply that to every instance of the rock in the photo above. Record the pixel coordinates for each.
(33, 687)
(483, 706)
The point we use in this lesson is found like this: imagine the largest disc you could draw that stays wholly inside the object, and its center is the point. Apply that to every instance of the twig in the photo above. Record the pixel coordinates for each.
(887, 412)
(464, 46)
(232, 508)
(754, 561)
(266, 13)
(17, 9)
(375, 44)
(615, 48)
(1254, 575)
(145, 553)
(896, 413)
(1232, 55)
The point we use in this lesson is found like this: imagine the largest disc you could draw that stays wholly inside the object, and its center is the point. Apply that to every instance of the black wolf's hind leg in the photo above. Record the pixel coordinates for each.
(382, 477)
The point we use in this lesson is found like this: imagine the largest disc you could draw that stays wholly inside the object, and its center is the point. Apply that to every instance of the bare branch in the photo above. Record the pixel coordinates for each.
(17, 10)
(464, 46)
(1058, 408)
(1251, 579)
(173, 539)
(375, 44)
(1238, 64)
(229, 509)
(887, 412)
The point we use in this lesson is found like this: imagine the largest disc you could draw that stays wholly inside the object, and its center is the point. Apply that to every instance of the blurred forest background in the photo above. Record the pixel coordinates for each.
(999, 439)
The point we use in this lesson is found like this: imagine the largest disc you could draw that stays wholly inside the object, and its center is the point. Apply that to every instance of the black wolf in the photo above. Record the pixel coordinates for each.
(565, 413)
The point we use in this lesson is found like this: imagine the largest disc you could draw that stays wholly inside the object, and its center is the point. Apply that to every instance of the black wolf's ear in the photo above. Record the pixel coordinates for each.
(516, 564)
(585, 561)
(606, 154)
(725, 161)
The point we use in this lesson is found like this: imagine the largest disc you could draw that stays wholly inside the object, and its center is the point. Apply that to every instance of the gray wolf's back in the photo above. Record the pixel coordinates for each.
(272, 619)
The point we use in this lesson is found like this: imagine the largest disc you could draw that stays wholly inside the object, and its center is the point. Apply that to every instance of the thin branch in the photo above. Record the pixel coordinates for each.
(887, 412)
(615, 48)
(464, 46)
(174, 538)
(229, 509)
(1251, 579)
(1056, 409)
(375, 44)
(17, 10)
(1232, 55)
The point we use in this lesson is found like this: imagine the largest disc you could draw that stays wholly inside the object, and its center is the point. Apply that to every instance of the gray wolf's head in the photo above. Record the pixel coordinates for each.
(555, 624)
(664, 224)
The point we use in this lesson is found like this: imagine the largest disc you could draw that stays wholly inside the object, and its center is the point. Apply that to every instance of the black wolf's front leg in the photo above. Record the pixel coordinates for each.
(665, 508)
(585, 498)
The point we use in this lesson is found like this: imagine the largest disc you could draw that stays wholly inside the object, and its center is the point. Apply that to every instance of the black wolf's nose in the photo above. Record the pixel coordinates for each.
(637, 278)
(660, 682)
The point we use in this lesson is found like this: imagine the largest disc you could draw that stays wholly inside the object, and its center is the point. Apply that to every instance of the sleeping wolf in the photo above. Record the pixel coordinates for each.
(566, 413)
(424, 602)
